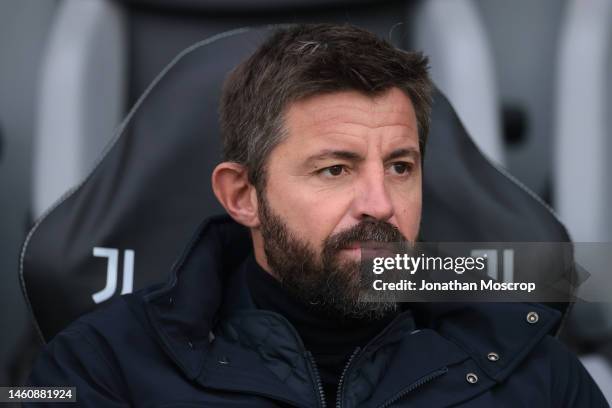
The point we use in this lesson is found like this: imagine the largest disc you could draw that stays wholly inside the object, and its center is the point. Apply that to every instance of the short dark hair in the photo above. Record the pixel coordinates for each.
(303, 60)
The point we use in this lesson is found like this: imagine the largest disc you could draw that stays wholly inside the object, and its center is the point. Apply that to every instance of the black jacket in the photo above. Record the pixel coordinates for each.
(198, 341)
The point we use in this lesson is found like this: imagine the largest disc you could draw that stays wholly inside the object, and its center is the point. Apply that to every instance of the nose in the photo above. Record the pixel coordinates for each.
(371, 196)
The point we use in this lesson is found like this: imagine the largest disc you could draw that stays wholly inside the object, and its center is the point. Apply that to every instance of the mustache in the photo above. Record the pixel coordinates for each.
(368, 230)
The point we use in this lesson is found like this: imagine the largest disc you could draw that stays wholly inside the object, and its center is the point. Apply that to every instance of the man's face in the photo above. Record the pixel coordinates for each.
(348, 173)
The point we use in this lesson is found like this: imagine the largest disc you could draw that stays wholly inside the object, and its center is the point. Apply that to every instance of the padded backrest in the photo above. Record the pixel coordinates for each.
(123, 227)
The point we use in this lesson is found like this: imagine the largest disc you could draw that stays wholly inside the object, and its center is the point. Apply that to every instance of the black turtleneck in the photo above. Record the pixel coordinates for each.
(331, 341)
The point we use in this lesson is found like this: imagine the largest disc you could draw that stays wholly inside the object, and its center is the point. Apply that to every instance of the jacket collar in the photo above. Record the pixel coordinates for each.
(184, 311)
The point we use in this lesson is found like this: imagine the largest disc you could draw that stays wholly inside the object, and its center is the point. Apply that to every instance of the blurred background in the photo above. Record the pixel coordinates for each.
(531, 80)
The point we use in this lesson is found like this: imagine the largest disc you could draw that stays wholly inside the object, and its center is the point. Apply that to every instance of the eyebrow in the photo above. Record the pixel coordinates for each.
(334, 154)
(397, 153)
(352, 156)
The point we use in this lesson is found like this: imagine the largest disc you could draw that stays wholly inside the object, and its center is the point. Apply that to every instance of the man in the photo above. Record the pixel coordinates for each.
(324, 130)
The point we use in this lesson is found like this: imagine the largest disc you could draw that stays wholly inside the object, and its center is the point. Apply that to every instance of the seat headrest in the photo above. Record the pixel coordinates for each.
(242, 6)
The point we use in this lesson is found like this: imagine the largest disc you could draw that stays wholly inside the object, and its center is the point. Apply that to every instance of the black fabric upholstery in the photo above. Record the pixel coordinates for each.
(242, 6)
(156, 35)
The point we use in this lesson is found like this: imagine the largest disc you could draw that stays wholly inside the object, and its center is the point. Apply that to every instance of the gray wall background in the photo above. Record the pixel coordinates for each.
(24, 25)
(524, 37)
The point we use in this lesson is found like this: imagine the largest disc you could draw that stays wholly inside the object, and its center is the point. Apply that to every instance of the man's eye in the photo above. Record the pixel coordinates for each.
(401, 168)
(334, 171)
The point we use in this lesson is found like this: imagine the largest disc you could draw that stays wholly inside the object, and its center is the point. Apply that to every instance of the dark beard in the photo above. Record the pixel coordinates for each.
(326, 283)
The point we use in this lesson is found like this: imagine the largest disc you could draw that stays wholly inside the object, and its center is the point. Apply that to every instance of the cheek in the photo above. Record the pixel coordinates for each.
(311, 215)
(408, 213)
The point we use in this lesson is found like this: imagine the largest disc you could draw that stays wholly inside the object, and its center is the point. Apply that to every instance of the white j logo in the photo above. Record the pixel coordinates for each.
(112, 254)
(492, 269)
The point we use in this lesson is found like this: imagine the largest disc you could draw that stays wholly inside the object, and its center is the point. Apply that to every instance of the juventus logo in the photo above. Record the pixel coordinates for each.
(493, 271)
(112, 268)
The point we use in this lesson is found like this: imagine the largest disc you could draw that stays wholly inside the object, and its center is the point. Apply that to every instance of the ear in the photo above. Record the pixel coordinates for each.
(236, 194)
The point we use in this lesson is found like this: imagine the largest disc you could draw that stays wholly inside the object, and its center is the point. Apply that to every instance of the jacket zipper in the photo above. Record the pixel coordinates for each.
(421, 381)
(312, 364)
(355, 353)
(314, 372)
(341, 381)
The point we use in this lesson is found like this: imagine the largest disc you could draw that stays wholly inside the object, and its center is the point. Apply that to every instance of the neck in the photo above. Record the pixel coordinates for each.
(318, 331)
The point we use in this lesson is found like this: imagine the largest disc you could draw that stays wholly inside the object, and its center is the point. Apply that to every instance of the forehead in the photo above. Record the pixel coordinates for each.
(352, 114)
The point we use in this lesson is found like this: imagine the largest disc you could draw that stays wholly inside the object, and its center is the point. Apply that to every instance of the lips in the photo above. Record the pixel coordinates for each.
(369, 245)
(372, 248)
